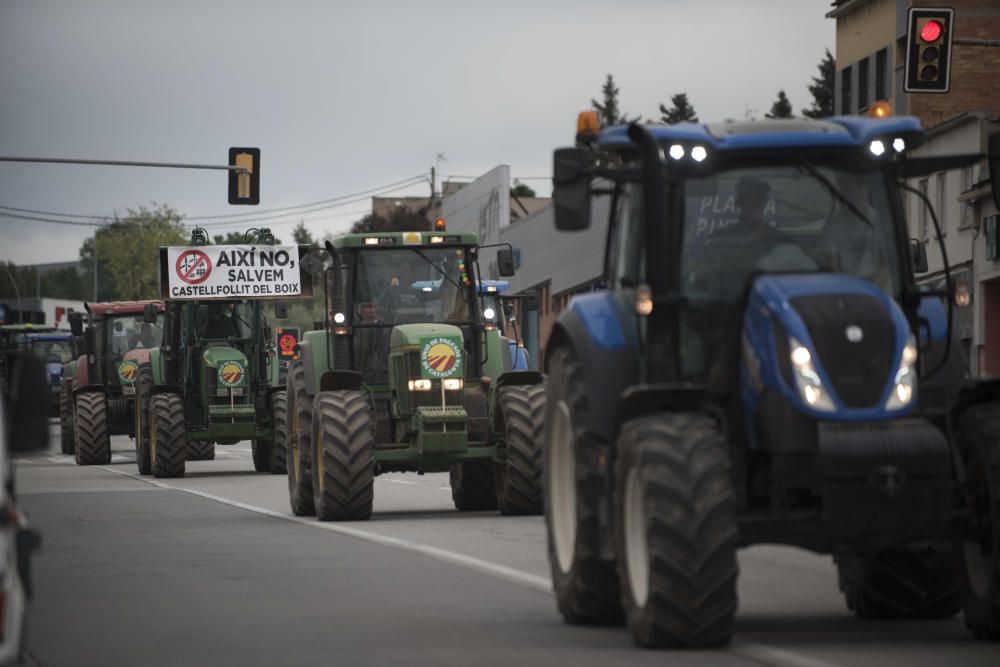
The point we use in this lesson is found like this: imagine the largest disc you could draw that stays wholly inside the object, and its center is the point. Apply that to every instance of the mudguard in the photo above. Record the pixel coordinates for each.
(604, 339)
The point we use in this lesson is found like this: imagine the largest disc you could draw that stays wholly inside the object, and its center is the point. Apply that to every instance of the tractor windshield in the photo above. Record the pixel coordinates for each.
(52, 351)
(385, 292)
(128, 332)
(802, 216)
(224, 320)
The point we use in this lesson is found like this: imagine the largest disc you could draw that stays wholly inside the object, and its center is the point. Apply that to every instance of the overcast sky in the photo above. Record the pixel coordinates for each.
(343, 97)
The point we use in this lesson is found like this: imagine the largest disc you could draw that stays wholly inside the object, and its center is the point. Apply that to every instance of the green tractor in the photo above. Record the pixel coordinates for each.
(408, 378)
(215, 377)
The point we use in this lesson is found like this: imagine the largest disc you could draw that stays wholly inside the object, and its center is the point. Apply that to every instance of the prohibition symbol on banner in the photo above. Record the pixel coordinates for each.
(193, 267)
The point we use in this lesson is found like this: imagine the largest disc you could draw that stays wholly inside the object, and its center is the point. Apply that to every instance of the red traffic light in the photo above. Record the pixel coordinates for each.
(931, 31)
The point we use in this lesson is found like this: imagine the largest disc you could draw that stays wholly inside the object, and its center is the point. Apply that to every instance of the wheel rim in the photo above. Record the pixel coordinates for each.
(562, 487)
(978, 555)
(152, 439)
(293, 444)
(318, 457)
(636, 540)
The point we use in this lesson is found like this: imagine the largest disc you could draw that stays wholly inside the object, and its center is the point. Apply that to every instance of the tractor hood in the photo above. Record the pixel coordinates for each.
(231, 365)
(438, 345)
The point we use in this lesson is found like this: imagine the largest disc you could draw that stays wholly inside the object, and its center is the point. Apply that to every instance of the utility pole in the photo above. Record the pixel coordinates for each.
(17, 293)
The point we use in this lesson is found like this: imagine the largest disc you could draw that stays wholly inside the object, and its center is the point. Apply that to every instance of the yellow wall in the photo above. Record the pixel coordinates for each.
(869, 27)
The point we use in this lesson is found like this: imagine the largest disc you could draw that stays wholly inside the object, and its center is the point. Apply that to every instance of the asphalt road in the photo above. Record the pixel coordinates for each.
(213, 569)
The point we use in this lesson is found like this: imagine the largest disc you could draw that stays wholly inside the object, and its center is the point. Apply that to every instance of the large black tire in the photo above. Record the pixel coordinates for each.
(260, 451)
(93, 442)
(343, 456)
(143, 392)
(576, 496)
(905, 582)
(300, 491)
(978, 553)
(66, 437)
(279, 408)
(472, 486)
(519, 478)
(200, 450)
(167, 441)
(675, 531)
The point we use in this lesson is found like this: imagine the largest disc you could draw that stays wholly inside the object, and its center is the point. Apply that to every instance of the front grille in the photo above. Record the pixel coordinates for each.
(858, 370)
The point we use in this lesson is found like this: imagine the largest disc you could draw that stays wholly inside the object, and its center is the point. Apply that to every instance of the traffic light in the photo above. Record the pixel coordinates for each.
(244, 186)
(928, 50)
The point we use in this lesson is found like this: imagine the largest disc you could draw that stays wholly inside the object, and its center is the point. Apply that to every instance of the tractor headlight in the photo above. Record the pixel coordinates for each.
(452, 384)
(489, 314)
(904, 384)
(807, 379)
(419, 385)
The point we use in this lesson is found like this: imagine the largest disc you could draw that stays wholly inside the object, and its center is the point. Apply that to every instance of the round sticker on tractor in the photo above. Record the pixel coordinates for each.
(231, 373)
(441, 358)
(128, 371)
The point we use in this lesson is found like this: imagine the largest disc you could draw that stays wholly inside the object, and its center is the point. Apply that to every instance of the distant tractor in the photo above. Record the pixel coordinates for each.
(409, 376)
(98, 388)
(215, 378)
(55, 350)
(764, 368)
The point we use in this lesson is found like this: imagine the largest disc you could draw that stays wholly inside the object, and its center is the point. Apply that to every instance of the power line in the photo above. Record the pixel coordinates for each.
(59, 222)
(313, 206)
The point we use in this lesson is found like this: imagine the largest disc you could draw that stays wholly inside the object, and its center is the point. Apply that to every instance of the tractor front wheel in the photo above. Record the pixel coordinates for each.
(343, 457)
(93, 443)
(143, 392)
(279, 409)
(260, 450)
(675, 531)
(978, 551)
(66, 420)
(167, 441)
(299, 453)
(472, 486)
(576, 496)
(904, 582)
(519, 478)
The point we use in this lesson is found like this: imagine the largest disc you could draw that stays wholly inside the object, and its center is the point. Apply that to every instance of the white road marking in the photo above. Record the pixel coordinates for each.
(400, 481)
(761, 653)
(61, 459)
(444, 488)
(23, 461)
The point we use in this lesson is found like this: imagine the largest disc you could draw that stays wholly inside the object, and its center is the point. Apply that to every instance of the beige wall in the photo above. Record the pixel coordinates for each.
(864, 30)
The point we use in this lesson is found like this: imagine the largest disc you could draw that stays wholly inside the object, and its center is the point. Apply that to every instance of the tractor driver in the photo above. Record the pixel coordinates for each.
(219, 323)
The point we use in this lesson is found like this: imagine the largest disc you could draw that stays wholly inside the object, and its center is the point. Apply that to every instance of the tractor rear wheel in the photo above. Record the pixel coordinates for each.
(576, 496)
(299, 453)
(167, 441)
(66, 420)
(519, 478)
(343, 457)
(93, 443)
(978, 551)
(472, 486)
(201, 450)
(906, 582)
(279, 409)
(143, 392)
(675, 531)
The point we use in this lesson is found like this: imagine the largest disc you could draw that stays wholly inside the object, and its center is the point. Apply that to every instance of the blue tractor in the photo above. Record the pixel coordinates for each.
(54, 349)
(763, 368)
(494, 307)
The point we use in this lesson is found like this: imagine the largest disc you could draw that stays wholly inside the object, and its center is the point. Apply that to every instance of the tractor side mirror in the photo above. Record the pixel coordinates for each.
(919, 253)
(76, 324)
(88, 342)
(994, 162)
(281, 309)
(505, 262)
(571, 188)
(149, 313)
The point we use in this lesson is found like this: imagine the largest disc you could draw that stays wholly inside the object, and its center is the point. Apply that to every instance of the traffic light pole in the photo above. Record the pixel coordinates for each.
(125, 163)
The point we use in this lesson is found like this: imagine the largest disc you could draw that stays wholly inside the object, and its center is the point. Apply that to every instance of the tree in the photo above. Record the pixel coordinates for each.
(302, 235)
(680, 111)
(781, 108)
(402, 219)
(522, 190)
(822, 89)
(608, 112)
(126, 249)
